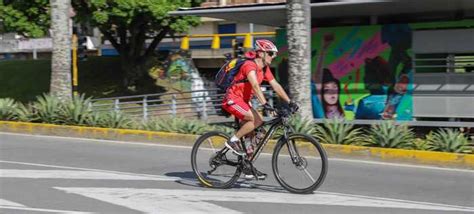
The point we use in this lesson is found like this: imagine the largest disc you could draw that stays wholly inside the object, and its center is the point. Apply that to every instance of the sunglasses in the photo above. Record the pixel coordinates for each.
(271, 54)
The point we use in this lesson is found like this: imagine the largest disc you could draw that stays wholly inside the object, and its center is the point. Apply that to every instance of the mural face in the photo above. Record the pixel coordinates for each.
(361, 72)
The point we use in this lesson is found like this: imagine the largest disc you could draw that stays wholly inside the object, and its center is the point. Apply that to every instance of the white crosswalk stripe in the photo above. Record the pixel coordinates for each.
(4, 202)
(10, 205)
(197, 201)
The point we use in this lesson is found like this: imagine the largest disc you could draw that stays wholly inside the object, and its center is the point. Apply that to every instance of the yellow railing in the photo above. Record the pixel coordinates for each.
(216, 41)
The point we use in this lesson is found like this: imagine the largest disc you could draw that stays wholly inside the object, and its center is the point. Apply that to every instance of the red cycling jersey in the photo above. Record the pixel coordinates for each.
(244, 90)
(236, 100)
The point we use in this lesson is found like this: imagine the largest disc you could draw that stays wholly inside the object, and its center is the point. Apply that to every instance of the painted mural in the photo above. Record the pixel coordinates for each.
(178, 74)
(360, 72)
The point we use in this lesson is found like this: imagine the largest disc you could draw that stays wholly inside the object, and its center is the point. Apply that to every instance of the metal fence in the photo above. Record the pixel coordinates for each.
(201, 104)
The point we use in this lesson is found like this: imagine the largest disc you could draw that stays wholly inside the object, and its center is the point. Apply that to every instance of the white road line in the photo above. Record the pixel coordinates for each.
(97, 171)
(4, 202)
(71, 174)
(402, 165)
(10, 205)
(42, 210)
(200, 201)
(188, 147)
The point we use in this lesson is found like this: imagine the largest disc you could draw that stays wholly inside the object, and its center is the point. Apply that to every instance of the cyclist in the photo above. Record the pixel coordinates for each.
(246, 83)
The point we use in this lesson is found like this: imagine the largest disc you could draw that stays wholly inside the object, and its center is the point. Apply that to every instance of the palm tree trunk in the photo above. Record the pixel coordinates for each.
(299, 54)
(60, 85)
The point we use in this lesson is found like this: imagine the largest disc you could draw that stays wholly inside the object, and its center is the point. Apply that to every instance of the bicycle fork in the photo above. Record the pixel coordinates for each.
(293, 151)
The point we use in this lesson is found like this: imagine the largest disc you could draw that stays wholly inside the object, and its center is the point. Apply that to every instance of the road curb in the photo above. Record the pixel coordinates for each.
(465, 161)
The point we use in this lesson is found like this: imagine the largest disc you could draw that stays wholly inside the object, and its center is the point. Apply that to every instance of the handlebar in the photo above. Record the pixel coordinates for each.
(282, 112)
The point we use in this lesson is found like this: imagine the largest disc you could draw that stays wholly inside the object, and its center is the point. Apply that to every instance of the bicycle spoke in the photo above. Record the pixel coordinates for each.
(309, 175)
(211, 144)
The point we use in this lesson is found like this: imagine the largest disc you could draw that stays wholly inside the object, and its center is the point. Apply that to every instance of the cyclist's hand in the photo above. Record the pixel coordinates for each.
(293, 107)
(268, 108)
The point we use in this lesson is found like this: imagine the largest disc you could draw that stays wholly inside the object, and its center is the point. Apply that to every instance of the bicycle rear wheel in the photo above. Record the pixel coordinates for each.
(299, 163)
(214, 165)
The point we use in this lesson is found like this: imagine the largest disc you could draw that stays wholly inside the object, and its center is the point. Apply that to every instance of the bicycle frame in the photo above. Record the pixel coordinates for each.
(275, 124)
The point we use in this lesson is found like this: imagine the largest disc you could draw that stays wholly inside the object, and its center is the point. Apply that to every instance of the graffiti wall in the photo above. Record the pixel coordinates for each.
(178, 74)
(358, 72)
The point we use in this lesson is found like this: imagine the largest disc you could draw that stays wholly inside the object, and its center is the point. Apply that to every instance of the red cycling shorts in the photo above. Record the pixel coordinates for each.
(236, 107)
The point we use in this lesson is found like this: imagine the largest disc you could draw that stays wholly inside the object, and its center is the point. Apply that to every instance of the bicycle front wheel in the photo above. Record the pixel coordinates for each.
(299, 163)
(214, 165)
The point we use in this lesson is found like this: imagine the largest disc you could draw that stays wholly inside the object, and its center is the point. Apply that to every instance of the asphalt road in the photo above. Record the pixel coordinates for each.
(43, 174)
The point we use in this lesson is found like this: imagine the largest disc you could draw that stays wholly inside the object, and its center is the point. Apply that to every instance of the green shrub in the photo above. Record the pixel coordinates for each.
(95, 119)
(226, 129)
(422, 144)
(8, 108)
(336, 131)
(177, 124)
(448, 140)
(15, 111)
(303, 125)
(25, 113)
(47, 109)
(116, 119)
(389, 135)
(76, 111)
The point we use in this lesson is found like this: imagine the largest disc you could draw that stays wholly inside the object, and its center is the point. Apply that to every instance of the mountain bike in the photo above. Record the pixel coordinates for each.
(299, 162)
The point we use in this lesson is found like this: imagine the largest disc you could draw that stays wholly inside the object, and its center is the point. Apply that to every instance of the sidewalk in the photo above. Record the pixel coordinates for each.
(441, 159)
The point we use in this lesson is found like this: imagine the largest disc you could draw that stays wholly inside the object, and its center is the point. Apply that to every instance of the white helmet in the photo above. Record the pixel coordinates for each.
(265, 45)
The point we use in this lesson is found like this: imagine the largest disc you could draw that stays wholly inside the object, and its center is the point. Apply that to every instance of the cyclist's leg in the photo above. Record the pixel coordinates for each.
(249, 121)
(240, 110)
(258, 118)
(248, 124)
(249, 172)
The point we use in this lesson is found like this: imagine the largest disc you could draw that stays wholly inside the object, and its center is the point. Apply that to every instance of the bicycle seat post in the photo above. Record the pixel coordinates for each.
(237, 123)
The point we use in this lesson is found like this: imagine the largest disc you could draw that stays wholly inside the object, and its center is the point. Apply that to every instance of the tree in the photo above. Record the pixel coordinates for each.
(134, 28)
(299, 53)
(61, 59)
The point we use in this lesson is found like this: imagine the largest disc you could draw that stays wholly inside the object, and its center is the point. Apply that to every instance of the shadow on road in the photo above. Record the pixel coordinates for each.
(189, 179)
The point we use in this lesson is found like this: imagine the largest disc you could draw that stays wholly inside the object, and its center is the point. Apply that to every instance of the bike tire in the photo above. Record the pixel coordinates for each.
(220, 182)
(278, 170)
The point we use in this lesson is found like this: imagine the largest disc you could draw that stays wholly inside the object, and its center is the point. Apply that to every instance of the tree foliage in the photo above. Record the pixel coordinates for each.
(30, 18)
(133, 21)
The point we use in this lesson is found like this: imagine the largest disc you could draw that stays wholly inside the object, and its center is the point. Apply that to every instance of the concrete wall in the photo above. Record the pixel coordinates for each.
(444, 41)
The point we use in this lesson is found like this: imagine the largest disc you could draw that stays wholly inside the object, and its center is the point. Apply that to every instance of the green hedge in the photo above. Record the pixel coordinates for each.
(23, 80)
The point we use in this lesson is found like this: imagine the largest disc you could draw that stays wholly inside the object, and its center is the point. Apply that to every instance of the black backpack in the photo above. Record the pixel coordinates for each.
(225, 77)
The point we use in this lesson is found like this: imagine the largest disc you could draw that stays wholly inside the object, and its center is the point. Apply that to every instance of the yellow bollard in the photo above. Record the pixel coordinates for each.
(74, 65)
(216, 42)
(185, 43)
(248, 41)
